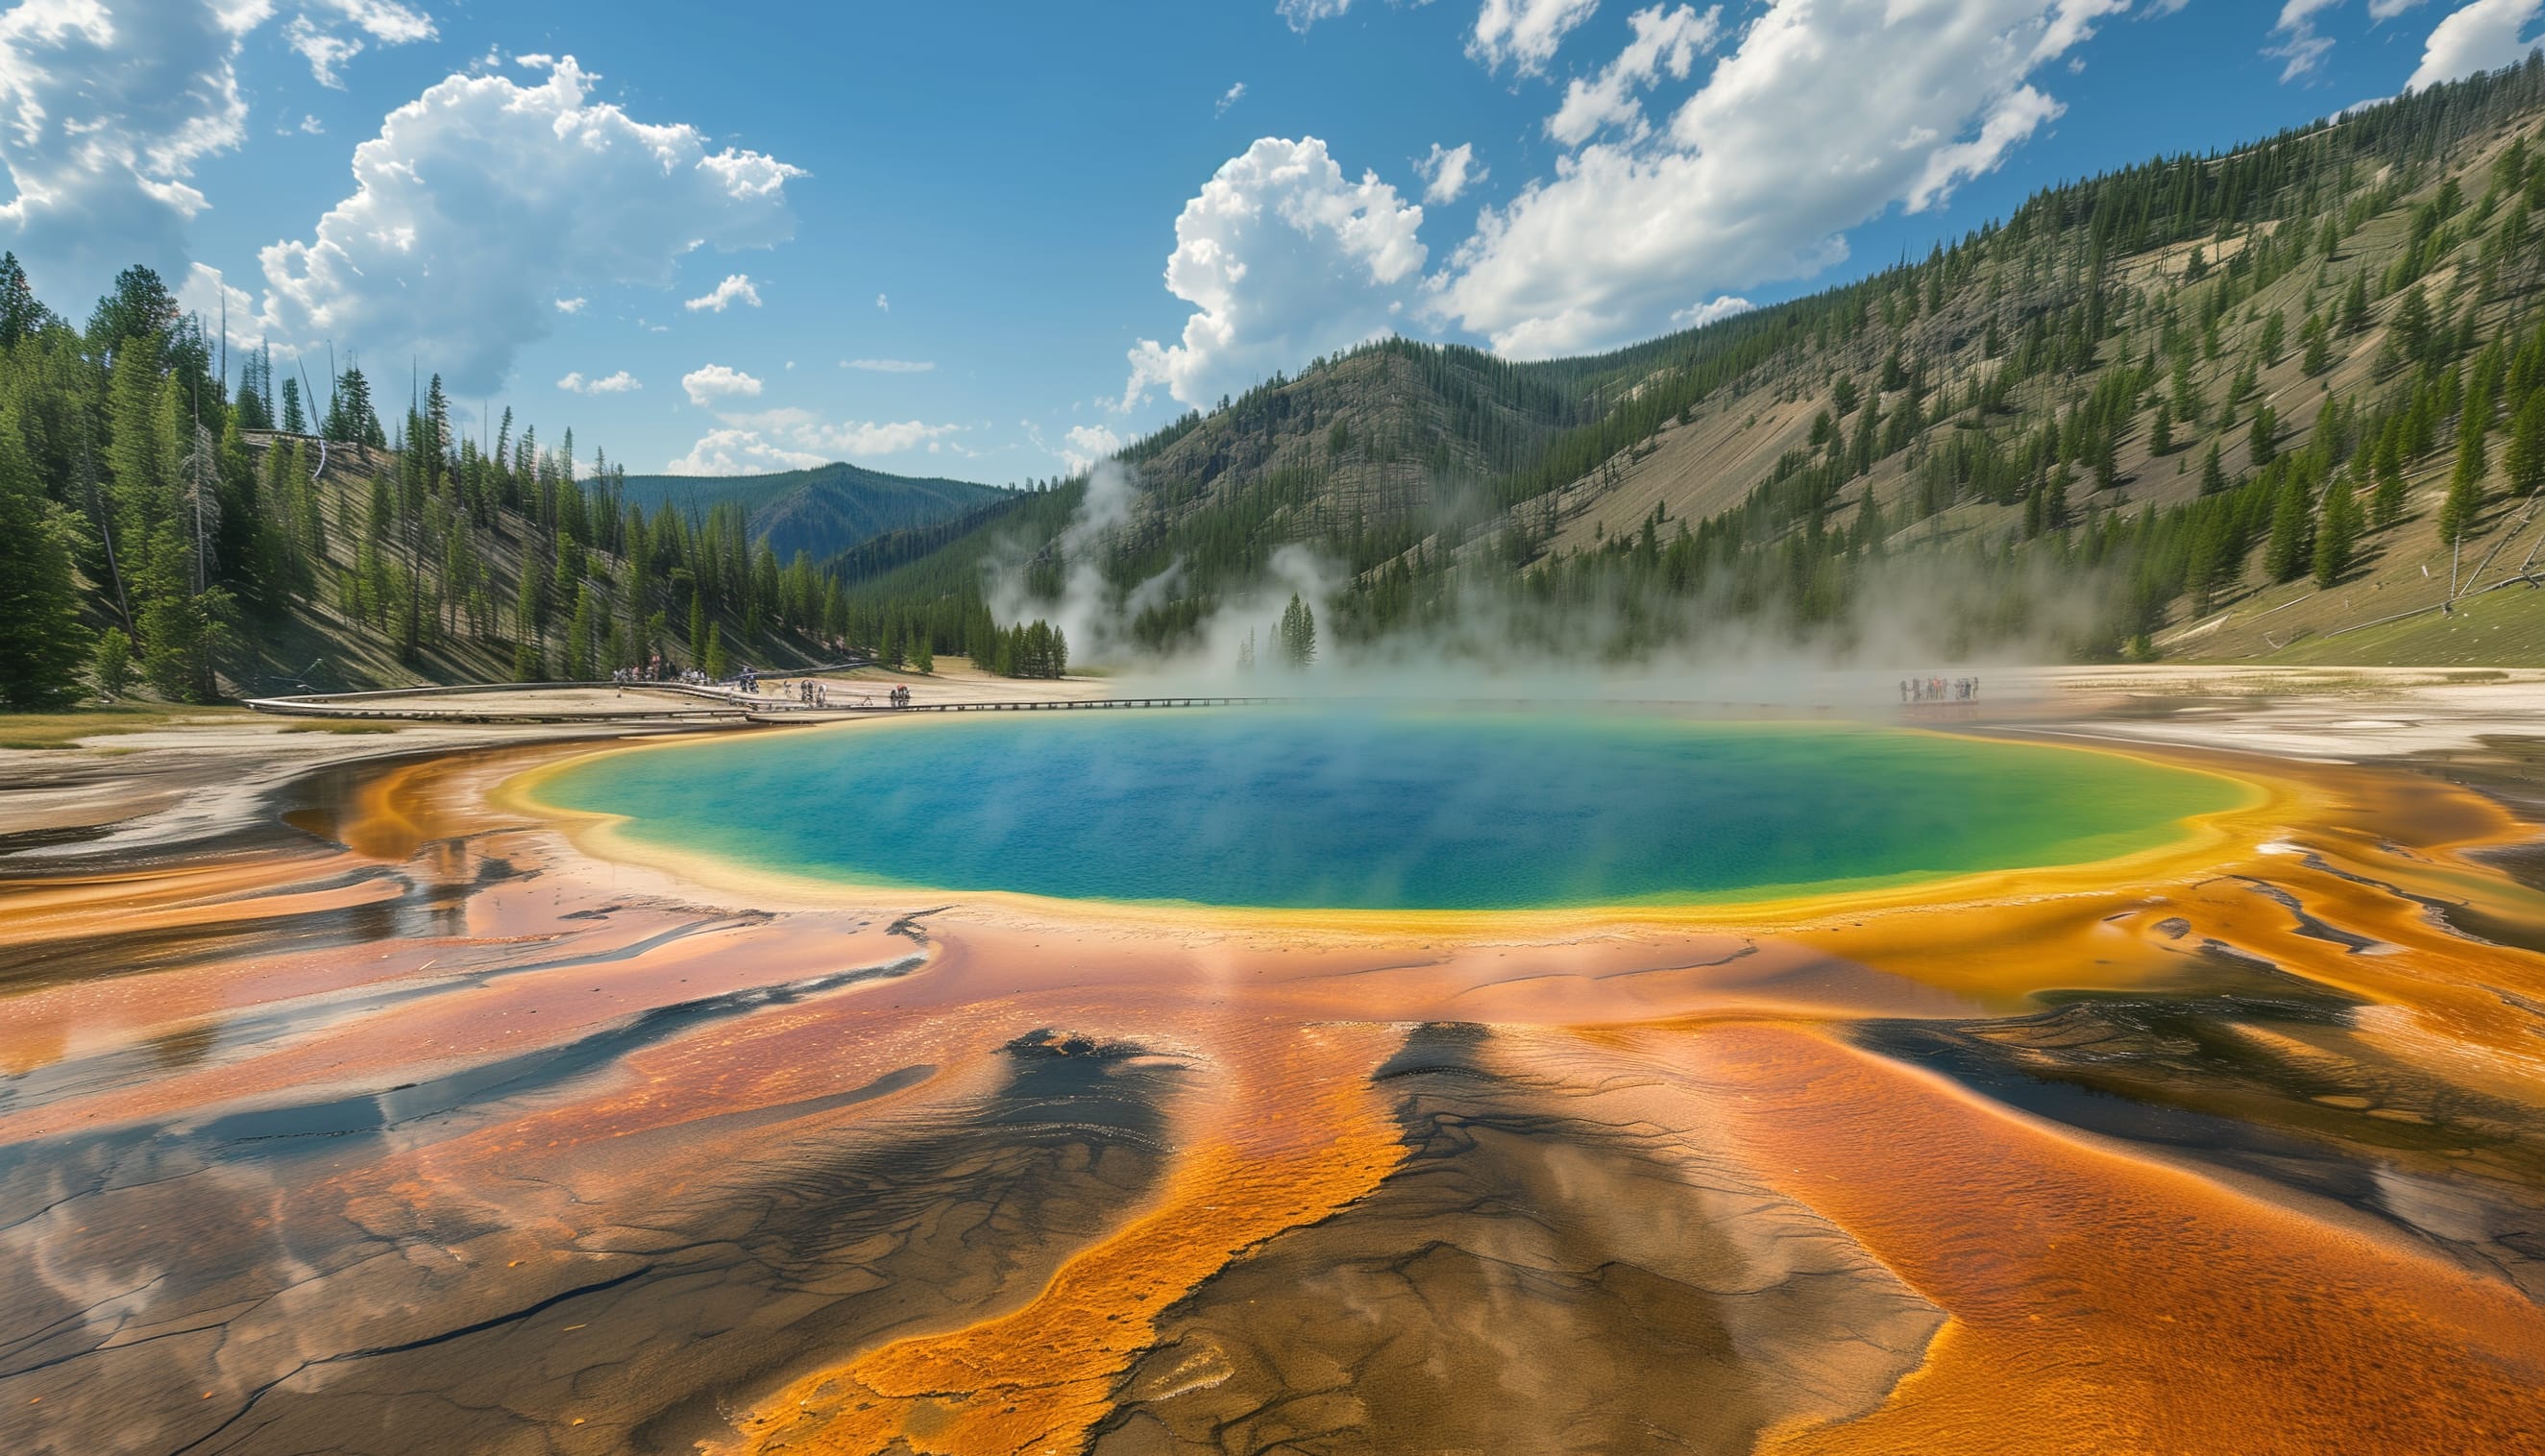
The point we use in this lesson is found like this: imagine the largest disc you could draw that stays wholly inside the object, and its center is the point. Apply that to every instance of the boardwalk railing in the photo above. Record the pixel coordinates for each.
(713, 702)
(727, 705)
(797, 712)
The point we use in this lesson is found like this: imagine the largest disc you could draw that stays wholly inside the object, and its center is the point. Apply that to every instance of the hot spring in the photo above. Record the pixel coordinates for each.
(1396, 810)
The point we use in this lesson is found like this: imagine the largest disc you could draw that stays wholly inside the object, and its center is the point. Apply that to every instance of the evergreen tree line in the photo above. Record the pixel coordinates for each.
(159, 515)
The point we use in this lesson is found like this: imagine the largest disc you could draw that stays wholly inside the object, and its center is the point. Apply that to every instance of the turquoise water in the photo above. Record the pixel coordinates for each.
(1373, 811)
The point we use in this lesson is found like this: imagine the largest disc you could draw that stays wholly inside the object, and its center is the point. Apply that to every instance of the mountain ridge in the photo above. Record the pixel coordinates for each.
(821, 510)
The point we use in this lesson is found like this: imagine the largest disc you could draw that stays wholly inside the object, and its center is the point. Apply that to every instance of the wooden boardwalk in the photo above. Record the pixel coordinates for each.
(836, 712)
(854, 711)
(671, 702)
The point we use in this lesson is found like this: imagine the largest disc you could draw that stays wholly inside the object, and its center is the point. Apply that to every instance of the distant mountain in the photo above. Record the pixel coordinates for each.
(821, 511)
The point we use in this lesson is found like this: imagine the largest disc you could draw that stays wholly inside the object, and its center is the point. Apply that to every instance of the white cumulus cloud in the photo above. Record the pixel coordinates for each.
(737, 287)
(571, 305)
(1282, 259)
(483, 199)
(1663, 41)
(1449, 172)
(1710, 311)
(1089, 444)
(1229, 98)
(104, 110)
(864, 437)
(325, 51)
(621, 382)
(313, 36)
(1826, 114)
(385, 20)
(2483, 35)
(1525, 32)
(731, 451)
(2302, 47)
(715, 382)
(797, 438)
(1302, 14)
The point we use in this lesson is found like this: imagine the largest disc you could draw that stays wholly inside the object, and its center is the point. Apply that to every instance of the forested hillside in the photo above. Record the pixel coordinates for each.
(2143, 410)
(817, 512)
(209, 539)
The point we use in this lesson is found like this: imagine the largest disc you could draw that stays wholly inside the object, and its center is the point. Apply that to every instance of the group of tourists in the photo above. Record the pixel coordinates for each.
(1936, 689)
(812, 692)
(657, 669)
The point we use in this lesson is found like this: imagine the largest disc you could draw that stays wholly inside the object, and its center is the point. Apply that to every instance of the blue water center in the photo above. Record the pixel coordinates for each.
(1372, 810)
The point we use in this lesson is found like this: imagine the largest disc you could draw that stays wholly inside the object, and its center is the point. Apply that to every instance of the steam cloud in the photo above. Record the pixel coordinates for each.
(1911, 615)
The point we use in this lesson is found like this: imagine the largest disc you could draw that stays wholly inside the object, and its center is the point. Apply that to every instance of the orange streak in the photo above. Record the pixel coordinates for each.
(1300, 1133)
(2108, 1304)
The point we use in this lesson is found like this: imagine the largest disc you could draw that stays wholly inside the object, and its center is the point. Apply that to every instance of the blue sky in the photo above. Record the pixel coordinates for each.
(961, 223)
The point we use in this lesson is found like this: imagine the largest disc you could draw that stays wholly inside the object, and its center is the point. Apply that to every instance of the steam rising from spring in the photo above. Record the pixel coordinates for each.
(1910, 613)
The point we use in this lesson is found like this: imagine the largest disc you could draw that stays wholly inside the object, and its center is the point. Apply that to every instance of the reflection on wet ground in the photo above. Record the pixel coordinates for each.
(390, 1124)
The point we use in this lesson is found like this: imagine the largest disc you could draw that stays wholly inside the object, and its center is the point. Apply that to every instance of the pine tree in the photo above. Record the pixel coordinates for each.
(20, 314)
(2289, 550)
(578, 638)
(2336, 537)
(2386, 502)
(140, 309)
(2213, 473)
(111, 665)
(529, 605)
(2524, 459)
(2161, 429)
(1298, 631)
(2188, 403)
(2407, 333)
(2261, 445)
(41, 644)
(2464, 500)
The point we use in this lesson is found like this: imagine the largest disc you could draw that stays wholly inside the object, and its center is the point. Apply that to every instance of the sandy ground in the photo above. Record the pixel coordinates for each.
(177, 782)
(2347, 714)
